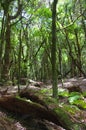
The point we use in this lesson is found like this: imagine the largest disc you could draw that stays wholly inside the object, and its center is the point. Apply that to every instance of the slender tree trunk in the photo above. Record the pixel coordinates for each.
(5, 70)
(60, 61)
(2, 44)
(19, 61)
(78, 52)
(75, 61)
(83, 20)
(5, 75)
(53, 51)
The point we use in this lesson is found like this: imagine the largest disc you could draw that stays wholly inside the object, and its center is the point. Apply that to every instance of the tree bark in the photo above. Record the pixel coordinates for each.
(53, 50)
(7, 57)
(2, 37)
(5, 70)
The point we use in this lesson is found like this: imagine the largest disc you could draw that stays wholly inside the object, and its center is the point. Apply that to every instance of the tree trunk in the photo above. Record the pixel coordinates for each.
(2, 36)
(74, 60)
(78, 53)
(53, 50)
(19, 60)
(5, 74)
(5, 70)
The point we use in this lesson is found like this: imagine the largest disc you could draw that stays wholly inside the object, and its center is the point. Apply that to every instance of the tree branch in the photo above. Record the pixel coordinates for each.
(18, 11)
(64, 27)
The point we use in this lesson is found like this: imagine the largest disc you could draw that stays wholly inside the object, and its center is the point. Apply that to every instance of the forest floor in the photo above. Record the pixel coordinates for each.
(10, 122)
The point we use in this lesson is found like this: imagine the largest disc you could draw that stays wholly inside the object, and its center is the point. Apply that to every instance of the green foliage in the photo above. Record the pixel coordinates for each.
(74, 96)
(44, 12)
(84, 94)
(35, 23)
(80, 103)
(51, 101)
(63, 92)
(45, 91)
(77, 99)
(72, 109)
(63, 115)
(35, 26)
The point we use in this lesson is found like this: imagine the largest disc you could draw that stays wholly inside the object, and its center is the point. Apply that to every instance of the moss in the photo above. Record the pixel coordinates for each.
(64, 117)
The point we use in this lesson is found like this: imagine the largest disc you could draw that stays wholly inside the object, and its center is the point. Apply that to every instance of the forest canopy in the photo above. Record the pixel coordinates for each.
(26, 39)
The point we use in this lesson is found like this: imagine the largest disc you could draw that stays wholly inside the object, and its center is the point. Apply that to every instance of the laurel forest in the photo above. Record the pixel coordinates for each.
(43, 64)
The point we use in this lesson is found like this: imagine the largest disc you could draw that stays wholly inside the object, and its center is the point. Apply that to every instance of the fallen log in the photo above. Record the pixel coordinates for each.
(23, 107)
(29, 95)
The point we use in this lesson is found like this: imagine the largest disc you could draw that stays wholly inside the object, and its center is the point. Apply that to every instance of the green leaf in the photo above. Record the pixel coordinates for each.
(63, 93)
(74, 94)
(80, 103)
(44, 12)
(73, 99)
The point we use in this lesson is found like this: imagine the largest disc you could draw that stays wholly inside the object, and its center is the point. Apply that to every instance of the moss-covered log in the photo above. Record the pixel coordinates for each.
(34, 98)
(36, 110)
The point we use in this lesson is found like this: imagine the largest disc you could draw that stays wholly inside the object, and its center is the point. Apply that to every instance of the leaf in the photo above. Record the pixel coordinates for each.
(73, 99)
(63, 92)
(74, 96)
(44, 12)
(80, 103)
